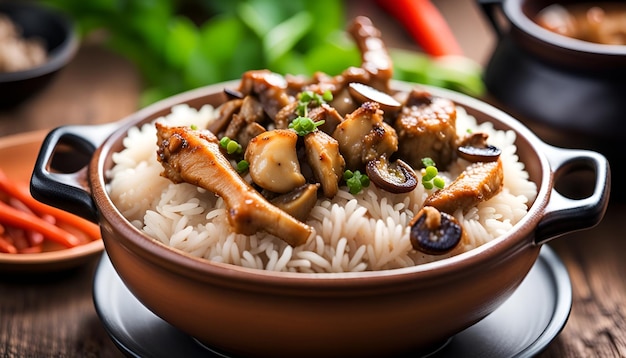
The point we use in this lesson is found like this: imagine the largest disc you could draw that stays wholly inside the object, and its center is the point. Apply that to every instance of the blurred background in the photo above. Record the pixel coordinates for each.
(138, 52)
(177, 45)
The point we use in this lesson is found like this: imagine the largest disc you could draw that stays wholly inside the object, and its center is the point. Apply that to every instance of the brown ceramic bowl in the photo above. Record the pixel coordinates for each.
(247, 312)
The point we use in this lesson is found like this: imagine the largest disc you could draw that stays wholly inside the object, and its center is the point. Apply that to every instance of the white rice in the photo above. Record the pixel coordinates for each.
(367, 231)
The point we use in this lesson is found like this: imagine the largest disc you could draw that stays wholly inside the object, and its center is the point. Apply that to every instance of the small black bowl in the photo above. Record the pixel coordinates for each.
(61, 41)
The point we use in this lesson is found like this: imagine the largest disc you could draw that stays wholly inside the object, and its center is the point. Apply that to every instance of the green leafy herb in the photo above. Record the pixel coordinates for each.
(356, 181)
(430, 178)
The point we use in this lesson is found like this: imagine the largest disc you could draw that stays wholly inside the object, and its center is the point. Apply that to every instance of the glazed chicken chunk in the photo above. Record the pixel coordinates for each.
(194, 157)
(426, 127)
(364, 136)
(479, 182)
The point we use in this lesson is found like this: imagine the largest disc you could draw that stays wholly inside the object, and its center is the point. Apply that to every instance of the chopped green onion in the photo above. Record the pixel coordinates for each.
(224, 142)
(327, 96)
(194, 127)
(428, 162)
(439, 182)
(231, 146)
(431, 172)
(242, 166)
(356, 181)
(430, 175)
(304, 125)
(310, 98)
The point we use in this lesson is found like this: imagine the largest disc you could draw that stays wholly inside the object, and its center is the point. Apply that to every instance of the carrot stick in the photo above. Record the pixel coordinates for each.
(21, 192)
(13, 217)
(33, 237)
(6, 246)
(31, 250)
(425, 24)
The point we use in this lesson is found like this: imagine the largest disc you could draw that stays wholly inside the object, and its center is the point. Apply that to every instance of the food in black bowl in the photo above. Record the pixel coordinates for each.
(562, 73)
(37, 43)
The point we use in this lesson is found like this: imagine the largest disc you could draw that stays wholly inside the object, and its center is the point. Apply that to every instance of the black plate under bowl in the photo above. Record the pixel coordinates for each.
(522, 327)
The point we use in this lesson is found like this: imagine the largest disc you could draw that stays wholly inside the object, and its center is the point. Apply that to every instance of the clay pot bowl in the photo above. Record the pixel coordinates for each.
(247, 312)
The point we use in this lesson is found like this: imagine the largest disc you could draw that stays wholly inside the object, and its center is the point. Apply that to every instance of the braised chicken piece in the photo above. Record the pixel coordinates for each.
(375, 59)
(273, 160)
(251, 111)
(383, 137)
(323, 156)
(225, 115)
(285, 115)
(426, 127)
(269, 87)
(250, 131)
(364, 136)
(329, 115)
(194, 157)
(479, 182)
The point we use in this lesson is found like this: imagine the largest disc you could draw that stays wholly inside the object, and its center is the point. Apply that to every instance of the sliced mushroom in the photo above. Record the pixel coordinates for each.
(434, 232)
(364, 93)
(395, 178)
(233, 93)
(299, 202)
(274, 161)
(474, 148)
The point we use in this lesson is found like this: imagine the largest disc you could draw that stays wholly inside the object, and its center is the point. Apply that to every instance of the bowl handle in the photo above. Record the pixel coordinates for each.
(563, 215)
(489, 8)
(59, 177)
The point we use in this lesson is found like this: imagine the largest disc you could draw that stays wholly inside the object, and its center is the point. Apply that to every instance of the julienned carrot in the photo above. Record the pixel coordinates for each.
(13, 217)
(6, 246)
(21, 192)
(425, 24)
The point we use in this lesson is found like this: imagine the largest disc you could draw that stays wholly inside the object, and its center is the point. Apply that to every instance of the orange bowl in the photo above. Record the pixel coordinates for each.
(17, 161)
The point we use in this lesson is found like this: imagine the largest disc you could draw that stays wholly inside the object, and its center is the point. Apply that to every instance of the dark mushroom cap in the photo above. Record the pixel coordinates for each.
(434, 232)
(364, 93)
(489, 153)
(395, 178)
(474, 148)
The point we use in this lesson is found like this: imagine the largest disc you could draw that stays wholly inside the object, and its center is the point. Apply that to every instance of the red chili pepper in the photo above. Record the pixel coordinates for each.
(425, 24)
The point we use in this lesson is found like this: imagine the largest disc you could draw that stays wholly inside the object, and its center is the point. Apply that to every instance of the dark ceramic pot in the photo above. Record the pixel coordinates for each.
(571, 92)
(60, 38)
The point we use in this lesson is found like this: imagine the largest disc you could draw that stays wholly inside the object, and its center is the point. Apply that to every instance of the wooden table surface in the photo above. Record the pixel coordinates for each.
(54, 316)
